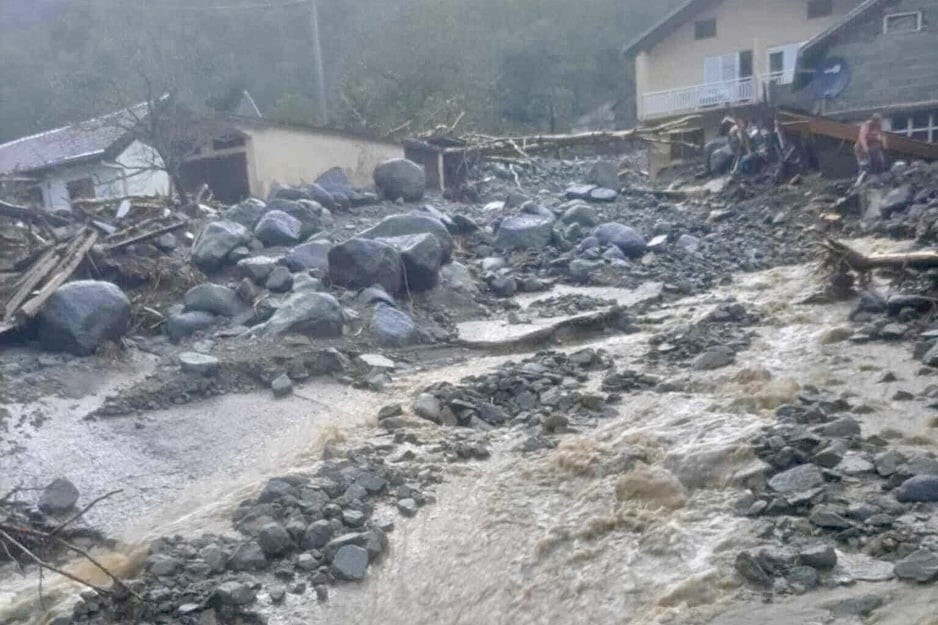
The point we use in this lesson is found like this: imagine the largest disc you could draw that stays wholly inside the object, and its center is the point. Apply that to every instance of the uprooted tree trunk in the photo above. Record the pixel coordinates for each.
(843, 253)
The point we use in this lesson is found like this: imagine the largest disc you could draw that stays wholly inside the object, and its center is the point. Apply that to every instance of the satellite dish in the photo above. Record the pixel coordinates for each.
(830, 78)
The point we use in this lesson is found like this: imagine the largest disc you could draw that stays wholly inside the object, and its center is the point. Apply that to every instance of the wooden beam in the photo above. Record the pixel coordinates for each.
(62, 273)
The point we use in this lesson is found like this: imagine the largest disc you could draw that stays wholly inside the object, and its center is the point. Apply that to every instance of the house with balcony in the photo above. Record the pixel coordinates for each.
(709, 57)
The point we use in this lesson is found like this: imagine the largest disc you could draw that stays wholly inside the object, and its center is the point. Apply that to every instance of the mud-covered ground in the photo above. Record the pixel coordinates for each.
(614, 473)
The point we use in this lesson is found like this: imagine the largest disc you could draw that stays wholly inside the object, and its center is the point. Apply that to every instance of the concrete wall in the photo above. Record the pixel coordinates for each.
(888, 69)
(293, 156)
(129, 174)
(757, 25)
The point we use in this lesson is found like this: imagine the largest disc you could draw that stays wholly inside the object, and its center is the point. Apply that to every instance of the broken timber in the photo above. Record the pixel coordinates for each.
(864, 263)
(53, 268)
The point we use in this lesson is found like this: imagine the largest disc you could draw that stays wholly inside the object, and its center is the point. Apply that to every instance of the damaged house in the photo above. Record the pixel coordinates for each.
(244, 155)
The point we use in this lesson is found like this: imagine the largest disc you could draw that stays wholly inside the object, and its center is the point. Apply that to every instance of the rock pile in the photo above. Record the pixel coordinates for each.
(710, 343)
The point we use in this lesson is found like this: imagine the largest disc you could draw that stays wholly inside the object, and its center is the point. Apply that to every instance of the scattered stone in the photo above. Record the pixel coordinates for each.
(799, 479)
(604, 174)
(821, 557)
(920, 566)
(393, 410)
(247, 213)
(524, 231)
(278, 228)
(411, 224)
(79, 316)
(312, 255)
(248, 556)
(186, 324)
(627, 239)
(274, 540)
(392, 327)
(199, 364)
(216, 241)
(282, 385)
(213, 298)
(58, 497)
(422, 255)
(428, 407)
(359, 263)
(235, 593)
(407, 507)
(280, 280)
(918, 488)
(714, 358)
(350, 563)
(401, 179)
(305, 312)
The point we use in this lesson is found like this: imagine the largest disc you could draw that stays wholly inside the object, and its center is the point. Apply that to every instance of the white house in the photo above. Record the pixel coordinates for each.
(97, 158)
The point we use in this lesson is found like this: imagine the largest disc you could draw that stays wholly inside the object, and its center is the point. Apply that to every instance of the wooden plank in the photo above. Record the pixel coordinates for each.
(145, 236)
(29, 281)
(63, 273)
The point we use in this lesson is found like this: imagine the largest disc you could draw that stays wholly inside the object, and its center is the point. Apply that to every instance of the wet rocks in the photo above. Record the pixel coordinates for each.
(280, 280)
(234, 593)
(79, 316)
(604, 174)
(625, 238)
(216, 241)
(582, 214)
(274, 540)
(282, 385)
(524, 231)
(182, 325)
(305, 312)
(247, 213)
(359, 263)
(920, 566)
(249, 556)
(821, 557)
(312, 217)
(918, 488)
(257, 268)
(714, 358)
(418, 222)
(401, 179)
(428, 407)
(798, 479)
(311, 255)
(58, 497)
(199, 364)
(215, 299)
(422, 255)
(278, 228)
(392, 327)
(350, 563)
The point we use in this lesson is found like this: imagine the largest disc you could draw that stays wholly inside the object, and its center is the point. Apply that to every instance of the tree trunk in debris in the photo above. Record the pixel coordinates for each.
(862, 262)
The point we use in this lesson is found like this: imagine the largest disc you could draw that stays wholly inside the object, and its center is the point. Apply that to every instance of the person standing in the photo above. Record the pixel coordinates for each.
(870, 146)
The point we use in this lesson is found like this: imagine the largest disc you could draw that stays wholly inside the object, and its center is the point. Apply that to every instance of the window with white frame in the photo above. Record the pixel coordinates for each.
(902, 22)
(921, 125)
(781, 63)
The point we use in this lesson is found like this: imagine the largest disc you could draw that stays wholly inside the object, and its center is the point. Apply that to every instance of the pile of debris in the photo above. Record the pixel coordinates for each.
(710, 343)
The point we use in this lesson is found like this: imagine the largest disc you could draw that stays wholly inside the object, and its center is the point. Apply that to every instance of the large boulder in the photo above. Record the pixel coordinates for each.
(313, 217)
(216, 241)
(392, 327)
(213, 298)
(625, 238)
(305, 312)
(359, 263)
(186, 324)
(278, 228)
(312, 192)
(718, 156)
(604, 174)
(81, 315)
(247, 213)
(524, 231)
(422, 255)
(412, 223)
(58, 497)
(582, 214)
(257, 268)
(401, 179)
(311, 255)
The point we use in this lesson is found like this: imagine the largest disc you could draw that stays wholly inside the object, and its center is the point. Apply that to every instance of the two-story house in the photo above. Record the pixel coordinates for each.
(710, 55)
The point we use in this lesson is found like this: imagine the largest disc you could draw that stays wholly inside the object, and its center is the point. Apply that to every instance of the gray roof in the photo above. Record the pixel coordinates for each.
(665, 27)
(85, 140)
(858, 12)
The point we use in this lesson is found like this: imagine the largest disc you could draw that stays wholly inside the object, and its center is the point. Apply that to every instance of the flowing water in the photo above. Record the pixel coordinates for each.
(628, 522)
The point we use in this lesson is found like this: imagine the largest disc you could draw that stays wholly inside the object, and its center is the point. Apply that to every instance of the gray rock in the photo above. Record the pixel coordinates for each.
(412, 223)
(920, 566)
(829, 517)
(918, 488)
(312, 255)
(804, 576)
(350, 563)
(214, 556)
(391, 327)
(278, 228)
(602, 194)
(657, 243)
(821, 557)
(627, 239)
(318, 534)
(215, 299)
(581, 269)
(796, 480)
(161, 565)
(274, 540)
(257, 268)
(276, 489)
(353, 518)
(524, 231)
(750, 569)
(248, 556)
(457, 276)
(688, 243)
(280, 280)
(428, 407)
(407, 507)
(579, 191)
(845, 427)
(503, 286)
(604, 174)
(422, 255)
(714, 358)
(247, 213)
(401, 179)
(58, 497)
(375, 295)
(359, 263)
(282, 385)
(186, 324)
(217, 239)
(233, 593)
(896, 200)
(166, 242)
(305, 312)
(313, 217)
(199, 364)
(81, 315)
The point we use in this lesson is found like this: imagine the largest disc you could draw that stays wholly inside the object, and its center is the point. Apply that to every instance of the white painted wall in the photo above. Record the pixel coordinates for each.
(129, 174)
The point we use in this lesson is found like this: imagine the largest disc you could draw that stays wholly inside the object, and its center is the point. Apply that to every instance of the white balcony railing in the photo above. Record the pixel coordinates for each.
(690, 99)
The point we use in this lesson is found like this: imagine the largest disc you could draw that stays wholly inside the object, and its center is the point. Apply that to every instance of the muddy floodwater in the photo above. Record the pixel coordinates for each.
(519, 538)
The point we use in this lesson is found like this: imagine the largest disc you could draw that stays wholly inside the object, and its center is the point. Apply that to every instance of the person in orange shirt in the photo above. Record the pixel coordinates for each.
(870, 146)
